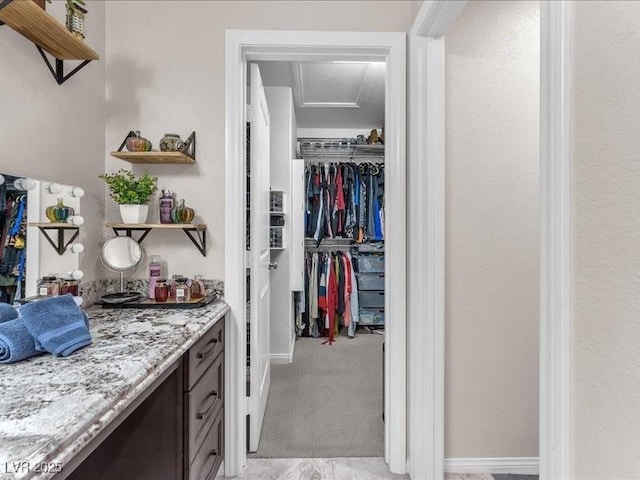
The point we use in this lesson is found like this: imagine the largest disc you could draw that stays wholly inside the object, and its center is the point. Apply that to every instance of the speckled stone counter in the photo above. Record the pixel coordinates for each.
(50, 408)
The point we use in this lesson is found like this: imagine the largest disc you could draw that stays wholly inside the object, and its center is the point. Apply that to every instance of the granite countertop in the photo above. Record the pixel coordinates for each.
(50, 407)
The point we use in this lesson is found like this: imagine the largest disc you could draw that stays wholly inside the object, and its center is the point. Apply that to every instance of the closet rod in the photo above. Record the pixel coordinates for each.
(332, 159)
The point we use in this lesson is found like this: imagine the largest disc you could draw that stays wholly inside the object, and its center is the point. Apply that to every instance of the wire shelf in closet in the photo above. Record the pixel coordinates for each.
(339, 149)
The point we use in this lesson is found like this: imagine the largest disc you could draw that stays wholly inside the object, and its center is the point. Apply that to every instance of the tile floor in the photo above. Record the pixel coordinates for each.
(329, 469)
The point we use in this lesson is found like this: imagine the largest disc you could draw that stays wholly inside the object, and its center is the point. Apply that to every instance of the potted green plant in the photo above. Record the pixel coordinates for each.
(131, 193)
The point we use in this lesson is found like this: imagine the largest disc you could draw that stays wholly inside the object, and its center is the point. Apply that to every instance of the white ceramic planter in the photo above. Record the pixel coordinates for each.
(134, 213)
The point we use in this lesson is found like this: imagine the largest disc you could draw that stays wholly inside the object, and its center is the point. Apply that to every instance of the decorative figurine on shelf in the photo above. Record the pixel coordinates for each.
(166, 206)
(171, 142)
(75, 18)
(136, 143)
(182, 213)
(59, 212)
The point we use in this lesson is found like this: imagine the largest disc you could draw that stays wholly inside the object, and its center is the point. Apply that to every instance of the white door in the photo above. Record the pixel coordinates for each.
(260, 372)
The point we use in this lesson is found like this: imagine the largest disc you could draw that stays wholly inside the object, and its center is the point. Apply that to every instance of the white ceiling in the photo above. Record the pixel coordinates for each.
(331, 94)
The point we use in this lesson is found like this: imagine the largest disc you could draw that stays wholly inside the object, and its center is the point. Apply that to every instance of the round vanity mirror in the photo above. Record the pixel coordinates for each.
(121, 254)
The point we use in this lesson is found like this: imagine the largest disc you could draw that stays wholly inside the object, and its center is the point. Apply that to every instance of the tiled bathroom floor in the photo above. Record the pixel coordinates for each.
(329, 469)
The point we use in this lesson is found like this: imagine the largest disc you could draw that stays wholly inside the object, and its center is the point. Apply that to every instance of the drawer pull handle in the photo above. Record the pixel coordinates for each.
(209, 402)
(202, 354)
(207, 469)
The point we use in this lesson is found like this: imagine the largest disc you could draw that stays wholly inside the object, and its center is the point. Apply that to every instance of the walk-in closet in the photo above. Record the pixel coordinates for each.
(326, 238)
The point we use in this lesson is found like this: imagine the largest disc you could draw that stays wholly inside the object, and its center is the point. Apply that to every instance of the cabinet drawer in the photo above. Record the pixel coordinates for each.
(204, 352)
(371, 299)
(208, 459)
(371, 316)
(370, 263)
(370, 281)
(203, 403)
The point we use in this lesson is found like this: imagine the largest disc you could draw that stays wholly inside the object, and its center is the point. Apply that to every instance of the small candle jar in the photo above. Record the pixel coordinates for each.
(183, 290)
(69, 285)
(49, 287)
(161, 291)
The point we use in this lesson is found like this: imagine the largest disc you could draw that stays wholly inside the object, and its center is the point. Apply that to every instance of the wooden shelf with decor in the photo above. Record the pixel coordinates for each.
(185, 157)
(200, 230)
(49, 35)
(158, 158)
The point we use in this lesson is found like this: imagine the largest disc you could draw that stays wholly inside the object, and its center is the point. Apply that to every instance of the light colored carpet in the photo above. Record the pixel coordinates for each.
(327, 403)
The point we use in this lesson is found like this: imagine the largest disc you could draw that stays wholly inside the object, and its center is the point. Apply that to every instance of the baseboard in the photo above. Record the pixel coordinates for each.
(521, 465)
(281, 358)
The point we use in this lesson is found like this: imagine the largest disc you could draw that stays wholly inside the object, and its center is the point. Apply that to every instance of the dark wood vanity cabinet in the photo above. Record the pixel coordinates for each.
(204, 406)
(175, 431)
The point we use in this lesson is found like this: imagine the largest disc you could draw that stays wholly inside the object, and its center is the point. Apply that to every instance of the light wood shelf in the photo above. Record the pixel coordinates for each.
(35, 24)
(52, 225)
(166, 226)
(154, 157)
(197, 232)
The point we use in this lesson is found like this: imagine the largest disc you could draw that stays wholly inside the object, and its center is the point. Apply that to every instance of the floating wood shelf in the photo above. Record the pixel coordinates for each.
(200, 229)
(155, 157)
(60, 245)
(32, 22)
(35, 24)
(186, 157)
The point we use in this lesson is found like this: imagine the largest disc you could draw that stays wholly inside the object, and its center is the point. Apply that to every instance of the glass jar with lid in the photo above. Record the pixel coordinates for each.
(161, 291)
(69, 285)
(182, 290)
(49, 286)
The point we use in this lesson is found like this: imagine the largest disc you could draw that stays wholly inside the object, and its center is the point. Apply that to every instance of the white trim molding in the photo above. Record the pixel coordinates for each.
(555, 202)
(260, 45)
(426, 246)
(517, 465)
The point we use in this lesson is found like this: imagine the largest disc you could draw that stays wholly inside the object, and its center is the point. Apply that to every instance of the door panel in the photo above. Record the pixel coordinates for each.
(260, 258)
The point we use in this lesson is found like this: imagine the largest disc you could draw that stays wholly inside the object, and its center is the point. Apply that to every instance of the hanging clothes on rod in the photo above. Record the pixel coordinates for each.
(13, 228)
(330, 297)
(344, 200)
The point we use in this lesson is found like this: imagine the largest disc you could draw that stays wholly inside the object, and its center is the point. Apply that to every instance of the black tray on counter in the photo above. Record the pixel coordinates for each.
(170, 303)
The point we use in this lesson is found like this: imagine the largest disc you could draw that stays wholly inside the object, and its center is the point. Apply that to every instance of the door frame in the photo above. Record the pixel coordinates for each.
(427, 246)
(244, 45)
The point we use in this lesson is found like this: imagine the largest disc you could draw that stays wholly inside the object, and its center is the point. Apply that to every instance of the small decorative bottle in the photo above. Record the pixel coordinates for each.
(197, 287)
(183, 290)
(166, 205)
(155, 272)
(49, 286)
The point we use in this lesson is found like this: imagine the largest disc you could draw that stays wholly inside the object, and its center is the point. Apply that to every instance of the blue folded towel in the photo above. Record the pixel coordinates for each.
(57, 324)
(16, 343)
(7, 312)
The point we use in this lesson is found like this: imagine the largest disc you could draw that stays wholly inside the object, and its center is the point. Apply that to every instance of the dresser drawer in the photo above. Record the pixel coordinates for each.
(369, 263)
(371, 299)
(208, 459)
(370, 281)
(203, 353)
(203, 403)
(371, 316)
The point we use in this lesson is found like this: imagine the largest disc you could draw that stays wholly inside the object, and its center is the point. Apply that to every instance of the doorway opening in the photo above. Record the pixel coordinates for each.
(244, 47)
(326, 244)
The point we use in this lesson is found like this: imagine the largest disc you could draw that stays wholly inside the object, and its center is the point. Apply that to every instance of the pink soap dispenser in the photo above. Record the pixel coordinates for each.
(155, 273)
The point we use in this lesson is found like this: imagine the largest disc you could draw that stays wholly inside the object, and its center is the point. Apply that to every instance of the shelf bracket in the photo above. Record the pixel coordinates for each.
(60, 246)
(129, 232)
(58, 72)
(200, 242)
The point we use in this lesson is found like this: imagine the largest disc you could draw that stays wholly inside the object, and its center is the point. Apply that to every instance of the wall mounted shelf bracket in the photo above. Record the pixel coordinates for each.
(196, 233)
(59, 245)
(58, 72)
